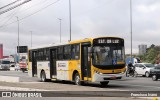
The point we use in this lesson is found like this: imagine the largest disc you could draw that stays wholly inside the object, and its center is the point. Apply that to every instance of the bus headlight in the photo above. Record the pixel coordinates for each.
(123, 71)
(98, 72)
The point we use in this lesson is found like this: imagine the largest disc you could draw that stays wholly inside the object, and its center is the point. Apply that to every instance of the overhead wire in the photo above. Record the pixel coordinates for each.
(2, 12)
(14, 13)
(10, 4)
(22, 11)
(40, 10)
(32, 13)
(37, 4)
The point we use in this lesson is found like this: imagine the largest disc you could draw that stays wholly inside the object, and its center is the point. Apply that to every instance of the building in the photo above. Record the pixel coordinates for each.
(142, 49)
(1, 51)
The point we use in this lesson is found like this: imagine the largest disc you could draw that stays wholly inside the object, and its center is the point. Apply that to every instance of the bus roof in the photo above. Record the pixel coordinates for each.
(82, 40)
(108, 37)
(71, 42)
(49, 45)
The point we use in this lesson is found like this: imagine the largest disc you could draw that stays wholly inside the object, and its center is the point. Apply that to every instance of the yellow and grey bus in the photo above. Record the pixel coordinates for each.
(92, 60)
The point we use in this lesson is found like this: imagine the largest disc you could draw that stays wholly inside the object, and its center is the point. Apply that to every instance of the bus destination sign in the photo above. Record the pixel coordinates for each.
(108, 41)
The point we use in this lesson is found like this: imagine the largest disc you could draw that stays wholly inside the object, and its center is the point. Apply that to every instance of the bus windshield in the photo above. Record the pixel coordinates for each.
(5, 62)
(108, 55)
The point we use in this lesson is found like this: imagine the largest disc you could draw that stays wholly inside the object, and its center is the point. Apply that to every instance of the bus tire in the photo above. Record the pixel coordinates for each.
(104, 84)
(43, 76)
(77, 79)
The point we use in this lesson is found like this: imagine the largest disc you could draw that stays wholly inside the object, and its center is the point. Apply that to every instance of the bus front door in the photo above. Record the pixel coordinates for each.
(34, 64)
(53, 57)
(86, 61)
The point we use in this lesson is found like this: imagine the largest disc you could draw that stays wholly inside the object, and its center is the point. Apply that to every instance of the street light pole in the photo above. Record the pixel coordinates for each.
(18, 38)
(60, 28)
(31, 39)
(131, 26)
(70, 17)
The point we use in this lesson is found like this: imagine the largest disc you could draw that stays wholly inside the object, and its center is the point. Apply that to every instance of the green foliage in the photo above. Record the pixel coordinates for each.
(152, 55)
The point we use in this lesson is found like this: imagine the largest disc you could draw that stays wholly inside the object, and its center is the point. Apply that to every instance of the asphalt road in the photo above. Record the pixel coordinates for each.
(130, 83)
(32, 83)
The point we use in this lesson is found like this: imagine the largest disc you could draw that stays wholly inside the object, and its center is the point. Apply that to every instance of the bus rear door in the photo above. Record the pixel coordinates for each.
(53, 58)
(34, 63)
(86, 61)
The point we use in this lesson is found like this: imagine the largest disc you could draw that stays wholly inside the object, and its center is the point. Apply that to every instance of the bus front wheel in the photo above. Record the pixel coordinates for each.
(43, 76)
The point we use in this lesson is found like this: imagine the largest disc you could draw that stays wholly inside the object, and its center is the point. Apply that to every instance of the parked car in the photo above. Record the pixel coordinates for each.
(143, 68)
(155, 73)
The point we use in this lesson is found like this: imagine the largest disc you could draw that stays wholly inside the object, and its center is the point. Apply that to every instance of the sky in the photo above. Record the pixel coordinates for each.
(89, 19)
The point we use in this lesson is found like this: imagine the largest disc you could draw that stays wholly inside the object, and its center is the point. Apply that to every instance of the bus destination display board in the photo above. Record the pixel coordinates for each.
(108, 41)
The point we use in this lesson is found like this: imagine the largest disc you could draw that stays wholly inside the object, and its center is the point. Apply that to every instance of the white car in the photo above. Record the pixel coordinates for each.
(143, 68)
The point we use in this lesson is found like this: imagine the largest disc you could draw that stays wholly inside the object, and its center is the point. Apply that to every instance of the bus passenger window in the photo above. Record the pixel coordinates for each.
(75, 51)
(67, 52)
(47, 54)
(60, 53)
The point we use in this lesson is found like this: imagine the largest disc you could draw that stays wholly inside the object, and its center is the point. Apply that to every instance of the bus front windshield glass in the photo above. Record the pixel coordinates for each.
(107, 55)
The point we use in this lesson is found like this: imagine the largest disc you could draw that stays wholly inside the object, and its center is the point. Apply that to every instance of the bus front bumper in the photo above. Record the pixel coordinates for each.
(106, 77)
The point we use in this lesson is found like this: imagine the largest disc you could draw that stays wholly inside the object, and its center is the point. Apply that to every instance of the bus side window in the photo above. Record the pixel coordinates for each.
(47, 54)
(41, 55)
(75, 51)
(67, 52)
(60, 53)
(37, 55)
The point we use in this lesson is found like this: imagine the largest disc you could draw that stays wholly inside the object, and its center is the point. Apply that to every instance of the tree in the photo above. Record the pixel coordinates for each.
(152, 55)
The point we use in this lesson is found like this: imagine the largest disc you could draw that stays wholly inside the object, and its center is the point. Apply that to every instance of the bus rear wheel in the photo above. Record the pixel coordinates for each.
(104, 84)
(77, 79)
(43, 76)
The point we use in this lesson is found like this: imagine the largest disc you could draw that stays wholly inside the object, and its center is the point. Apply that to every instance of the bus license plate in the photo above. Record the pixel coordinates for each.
(113, 77)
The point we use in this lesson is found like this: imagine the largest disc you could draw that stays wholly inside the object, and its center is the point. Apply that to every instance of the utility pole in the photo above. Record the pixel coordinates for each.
(70, 17)
(60, 28)
(131, 26)
(18, 38)
(31, 39)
